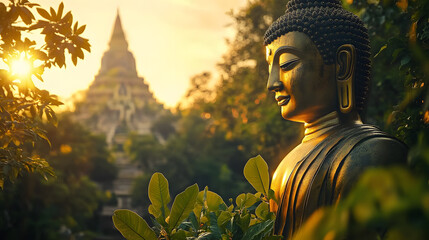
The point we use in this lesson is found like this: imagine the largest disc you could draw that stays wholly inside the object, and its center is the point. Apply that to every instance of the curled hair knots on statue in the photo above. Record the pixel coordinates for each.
(329, 26)
(300, 4)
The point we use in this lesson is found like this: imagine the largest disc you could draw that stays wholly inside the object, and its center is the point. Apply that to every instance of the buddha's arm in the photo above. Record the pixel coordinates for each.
(374, 152)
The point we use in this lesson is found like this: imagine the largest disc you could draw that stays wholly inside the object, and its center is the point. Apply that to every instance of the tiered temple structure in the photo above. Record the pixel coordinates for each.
(119, 102)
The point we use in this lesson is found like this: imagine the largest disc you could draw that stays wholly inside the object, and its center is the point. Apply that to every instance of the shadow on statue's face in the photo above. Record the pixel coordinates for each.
(304, 86)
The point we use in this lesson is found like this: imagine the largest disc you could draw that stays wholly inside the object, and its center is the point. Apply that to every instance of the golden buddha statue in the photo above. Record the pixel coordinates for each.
(318, 56)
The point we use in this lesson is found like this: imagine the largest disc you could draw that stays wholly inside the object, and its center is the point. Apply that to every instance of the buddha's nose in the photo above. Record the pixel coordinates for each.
(274, 84)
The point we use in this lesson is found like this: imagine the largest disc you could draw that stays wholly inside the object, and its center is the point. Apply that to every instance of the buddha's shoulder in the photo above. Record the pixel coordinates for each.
(373, 151)
(377, 150)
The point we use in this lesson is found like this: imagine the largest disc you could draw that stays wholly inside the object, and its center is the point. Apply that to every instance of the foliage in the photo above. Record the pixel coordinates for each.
(399, 38)
(76, 152)
(22, 105)
(199, 93)
(66, 206)
(204, 214)
(163, 126)
(144, 149)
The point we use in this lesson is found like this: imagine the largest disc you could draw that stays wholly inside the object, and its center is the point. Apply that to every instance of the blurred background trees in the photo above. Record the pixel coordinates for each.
(65, 206)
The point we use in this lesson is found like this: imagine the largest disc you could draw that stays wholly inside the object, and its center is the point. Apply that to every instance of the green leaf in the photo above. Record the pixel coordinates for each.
(256, 173)
(68, 17)
(159, 195)
(263, 211)
(224, 218)
(197, 211)
(179, 235)
(84, 44)
(243, 221)
(194, 221)
(132, 226)
(213, 200)
(154, 211)
(42, 134)
(245, 200)
(60, 60)
(80, 30)
(272, 195)
(26, 15)
(75, 26)
(381, 50)
(60, 10)
(74, 59)
(182, 206)
(213, 226)
(259, 230)
(79, 53)
(53, 14)
(51, 116)
(43, 13)
(405, 60)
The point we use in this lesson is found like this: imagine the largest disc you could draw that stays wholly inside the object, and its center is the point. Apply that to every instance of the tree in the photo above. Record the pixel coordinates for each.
(22, 59)
(67, 206)
(143, 149)
(76, 152)
(399, 40)
(199, 93)
(164, 125)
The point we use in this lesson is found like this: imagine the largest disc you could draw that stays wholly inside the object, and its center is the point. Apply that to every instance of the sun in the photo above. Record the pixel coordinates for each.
(21, 66)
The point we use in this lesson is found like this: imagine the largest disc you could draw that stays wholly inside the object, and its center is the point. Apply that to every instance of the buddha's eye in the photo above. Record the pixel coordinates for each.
(289, 65)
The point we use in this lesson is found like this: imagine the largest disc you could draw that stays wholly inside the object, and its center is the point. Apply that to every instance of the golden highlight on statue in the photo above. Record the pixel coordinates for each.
(318, 56)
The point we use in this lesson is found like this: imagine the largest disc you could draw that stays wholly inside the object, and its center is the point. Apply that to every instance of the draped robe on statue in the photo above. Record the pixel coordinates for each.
(323, 168)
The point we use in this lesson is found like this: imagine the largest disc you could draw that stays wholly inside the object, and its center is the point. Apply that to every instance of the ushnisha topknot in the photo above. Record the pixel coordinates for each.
(329, 26)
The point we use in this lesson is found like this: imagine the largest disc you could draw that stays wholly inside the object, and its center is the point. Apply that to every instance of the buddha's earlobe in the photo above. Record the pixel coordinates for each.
(345, 72)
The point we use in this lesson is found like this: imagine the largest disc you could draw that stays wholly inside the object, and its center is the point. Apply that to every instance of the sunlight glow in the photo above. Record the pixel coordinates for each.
(21, 66)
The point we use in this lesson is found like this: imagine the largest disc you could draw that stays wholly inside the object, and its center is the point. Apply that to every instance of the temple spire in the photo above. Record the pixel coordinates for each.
(117, 58)
(118, 41)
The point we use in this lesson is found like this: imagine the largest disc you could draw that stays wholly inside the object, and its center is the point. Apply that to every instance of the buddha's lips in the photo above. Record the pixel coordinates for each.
(282, 100)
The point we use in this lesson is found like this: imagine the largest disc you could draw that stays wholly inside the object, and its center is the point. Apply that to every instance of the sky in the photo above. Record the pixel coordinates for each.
(172, 40)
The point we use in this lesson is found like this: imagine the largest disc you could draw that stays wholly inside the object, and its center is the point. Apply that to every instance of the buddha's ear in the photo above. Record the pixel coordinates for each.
(345, 73)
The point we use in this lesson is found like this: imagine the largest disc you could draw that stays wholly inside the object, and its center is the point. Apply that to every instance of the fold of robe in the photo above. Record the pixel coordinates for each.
(315, 181)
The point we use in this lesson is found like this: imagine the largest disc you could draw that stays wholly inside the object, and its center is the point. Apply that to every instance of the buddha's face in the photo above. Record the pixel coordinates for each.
(304, 86)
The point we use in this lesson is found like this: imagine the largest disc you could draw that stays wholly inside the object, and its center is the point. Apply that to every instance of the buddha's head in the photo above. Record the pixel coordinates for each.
(318, 55)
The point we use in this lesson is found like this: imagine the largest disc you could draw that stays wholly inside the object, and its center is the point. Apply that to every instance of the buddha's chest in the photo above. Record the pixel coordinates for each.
(286, 167)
